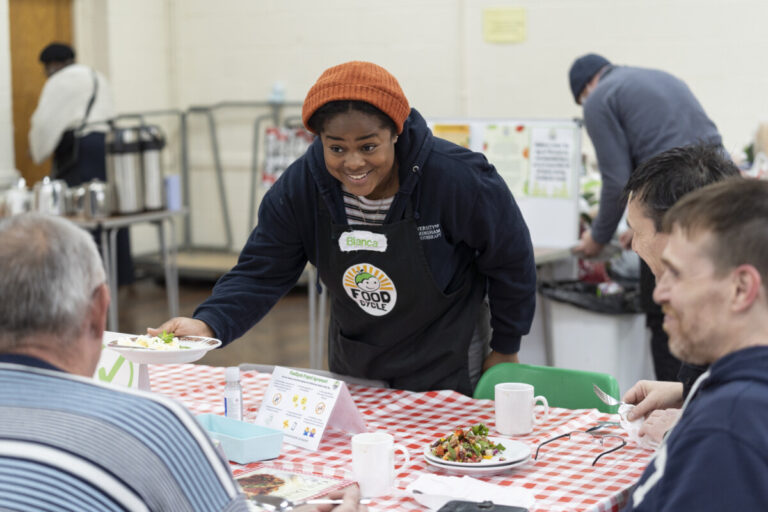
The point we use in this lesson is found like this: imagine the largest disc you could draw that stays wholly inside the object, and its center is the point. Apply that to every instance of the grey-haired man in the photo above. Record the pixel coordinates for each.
(67, 441)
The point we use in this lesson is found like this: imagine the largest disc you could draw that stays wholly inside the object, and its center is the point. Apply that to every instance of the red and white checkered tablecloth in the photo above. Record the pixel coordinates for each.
(562, 478)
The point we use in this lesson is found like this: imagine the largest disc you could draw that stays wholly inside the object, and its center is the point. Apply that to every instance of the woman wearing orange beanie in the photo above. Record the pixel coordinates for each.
(409, 232)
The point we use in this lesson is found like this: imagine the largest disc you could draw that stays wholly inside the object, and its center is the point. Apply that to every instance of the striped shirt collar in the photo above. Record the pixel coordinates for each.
(25, 360)
(361, 210)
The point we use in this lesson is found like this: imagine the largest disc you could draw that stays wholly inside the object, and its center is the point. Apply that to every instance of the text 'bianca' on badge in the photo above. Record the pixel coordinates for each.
(362, 241)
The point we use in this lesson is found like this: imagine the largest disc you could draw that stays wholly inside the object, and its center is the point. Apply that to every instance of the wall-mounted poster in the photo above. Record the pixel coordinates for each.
(283, 147)
(551, 162)
(504, 25)
(539, 160)
(506, 147)
(456, 133)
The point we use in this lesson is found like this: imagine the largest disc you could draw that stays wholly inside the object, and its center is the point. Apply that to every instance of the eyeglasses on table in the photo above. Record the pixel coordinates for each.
(612, 440)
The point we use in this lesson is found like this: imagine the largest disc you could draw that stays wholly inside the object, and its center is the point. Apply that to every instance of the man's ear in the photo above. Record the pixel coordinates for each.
(747, 286)
(97, 319)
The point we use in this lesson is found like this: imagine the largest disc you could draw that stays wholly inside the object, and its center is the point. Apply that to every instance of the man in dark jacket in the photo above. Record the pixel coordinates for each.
(713, 293)
(653, 188)
(66, 438)
(632, 114)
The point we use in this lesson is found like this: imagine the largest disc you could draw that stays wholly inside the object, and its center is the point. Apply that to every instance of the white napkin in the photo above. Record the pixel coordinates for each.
(633, 428)
(438, 490)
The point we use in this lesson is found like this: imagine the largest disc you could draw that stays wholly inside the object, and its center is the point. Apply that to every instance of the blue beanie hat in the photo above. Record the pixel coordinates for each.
(582, 71)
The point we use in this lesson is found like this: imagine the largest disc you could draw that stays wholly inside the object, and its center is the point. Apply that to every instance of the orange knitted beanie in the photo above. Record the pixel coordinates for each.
(363, 81)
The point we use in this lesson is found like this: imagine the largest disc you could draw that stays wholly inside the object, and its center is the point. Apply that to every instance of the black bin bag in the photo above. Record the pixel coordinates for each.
(586, 296)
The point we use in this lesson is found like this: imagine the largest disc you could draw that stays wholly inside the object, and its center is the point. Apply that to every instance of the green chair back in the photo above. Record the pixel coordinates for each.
(570, 389)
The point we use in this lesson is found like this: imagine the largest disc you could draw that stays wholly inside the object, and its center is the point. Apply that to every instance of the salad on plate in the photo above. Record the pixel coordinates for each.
(470, 445)
(166, 341)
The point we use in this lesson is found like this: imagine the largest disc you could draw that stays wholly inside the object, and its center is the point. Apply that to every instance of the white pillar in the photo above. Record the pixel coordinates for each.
(8, 172)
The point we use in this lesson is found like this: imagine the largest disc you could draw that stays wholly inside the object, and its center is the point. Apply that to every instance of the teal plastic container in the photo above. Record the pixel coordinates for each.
(243, 442)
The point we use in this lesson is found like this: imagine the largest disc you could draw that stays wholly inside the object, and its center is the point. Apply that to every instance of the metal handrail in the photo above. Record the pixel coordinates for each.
(255, 168)
(208, 111)
(150, 113)
(274, 116)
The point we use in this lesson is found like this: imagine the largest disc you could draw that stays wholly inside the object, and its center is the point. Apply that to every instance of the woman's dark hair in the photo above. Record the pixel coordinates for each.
(331, 109)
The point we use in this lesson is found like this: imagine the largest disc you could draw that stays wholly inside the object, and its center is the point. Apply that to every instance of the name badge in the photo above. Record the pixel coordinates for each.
(362, 241)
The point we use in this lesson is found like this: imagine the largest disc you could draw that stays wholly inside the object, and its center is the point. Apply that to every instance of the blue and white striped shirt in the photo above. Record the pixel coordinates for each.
(71, 443)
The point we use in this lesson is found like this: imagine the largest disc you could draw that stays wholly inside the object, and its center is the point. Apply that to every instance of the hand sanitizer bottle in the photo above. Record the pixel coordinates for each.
(233, 394)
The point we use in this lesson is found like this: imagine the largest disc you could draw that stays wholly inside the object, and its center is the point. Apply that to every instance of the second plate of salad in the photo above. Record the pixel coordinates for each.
(472, 447)
(166, 348)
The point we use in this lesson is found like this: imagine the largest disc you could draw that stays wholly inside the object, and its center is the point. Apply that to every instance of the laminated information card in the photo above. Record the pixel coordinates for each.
(302, 405)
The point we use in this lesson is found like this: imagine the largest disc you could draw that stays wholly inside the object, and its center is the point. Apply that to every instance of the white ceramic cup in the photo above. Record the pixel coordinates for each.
(373, 462)
(515, 413)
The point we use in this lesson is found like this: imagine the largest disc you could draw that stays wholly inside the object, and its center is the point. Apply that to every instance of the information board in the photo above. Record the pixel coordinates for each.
(539, 159)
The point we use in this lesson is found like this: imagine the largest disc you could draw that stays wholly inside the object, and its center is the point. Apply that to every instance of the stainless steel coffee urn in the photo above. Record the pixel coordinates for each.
(152, 142)
(124, 172)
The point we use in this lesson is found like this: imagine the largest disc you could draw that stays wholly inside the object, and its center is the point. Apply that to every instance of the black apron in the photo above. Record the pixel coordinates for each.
(389, 320)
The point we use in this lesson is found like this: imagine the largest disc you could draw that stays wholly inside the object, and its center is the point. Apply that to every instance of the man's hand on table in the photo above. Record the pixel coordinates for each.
(587, 247)
(183, 326)
(351, 496)
(649, 395)
(658, 423)
(495, 358)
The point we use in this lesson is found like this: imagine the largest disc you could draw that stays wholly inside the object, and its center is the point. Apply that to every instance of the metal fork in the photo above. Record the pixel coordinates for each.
(623, 411)
(605, 397)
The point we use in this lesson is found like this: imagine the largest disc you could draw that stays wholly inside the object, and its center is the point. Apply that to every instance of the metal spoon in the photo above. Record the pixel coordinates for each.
(278, 504)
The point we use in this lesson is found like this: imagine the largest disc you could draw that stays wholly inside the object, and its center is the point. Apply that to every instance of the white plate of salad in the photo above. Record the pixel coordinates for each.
(165, 348)
(472, 447)
(476, 470)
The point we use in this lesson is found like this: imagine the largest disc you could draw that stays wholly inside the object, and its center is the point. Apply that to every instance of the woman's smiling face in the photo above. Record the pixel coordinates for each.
(360, 152)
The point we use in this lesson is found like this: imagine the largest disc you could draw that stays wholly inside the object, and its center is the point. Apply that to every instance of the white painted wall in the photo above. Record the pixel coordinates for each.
(237, 48)
(7, 166)
(131, 43)
(174, 53)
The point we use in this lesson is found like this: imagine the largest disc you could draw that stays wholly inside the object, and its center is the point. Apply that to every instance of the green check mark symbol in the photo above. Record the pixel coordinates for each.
(108, 377)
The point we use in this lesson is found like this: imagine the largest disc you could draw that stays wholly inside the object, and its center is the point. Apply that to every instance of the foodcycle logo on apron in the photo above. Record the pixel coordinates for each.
(370, 288)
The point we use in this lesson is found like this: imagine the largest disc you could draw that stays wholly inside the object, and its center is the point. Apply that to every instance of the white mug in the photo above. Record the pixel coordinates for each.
(515, 414)
(373, 462)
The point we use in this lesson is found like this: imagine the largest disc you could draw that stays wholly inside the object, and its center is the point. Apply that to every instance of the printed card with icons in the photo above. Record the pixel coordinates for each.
(302, 405)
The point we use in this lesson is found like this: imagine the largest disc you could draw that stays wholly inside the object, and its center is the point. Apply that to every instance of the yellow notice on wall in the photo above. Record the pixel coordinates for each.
(456, 133)
(504, 25)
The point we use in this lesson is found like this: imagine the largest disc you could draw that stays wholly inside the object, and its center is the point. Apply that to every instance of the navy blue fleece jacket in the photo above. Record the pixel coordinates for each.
(454, 194)
(716, 457)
